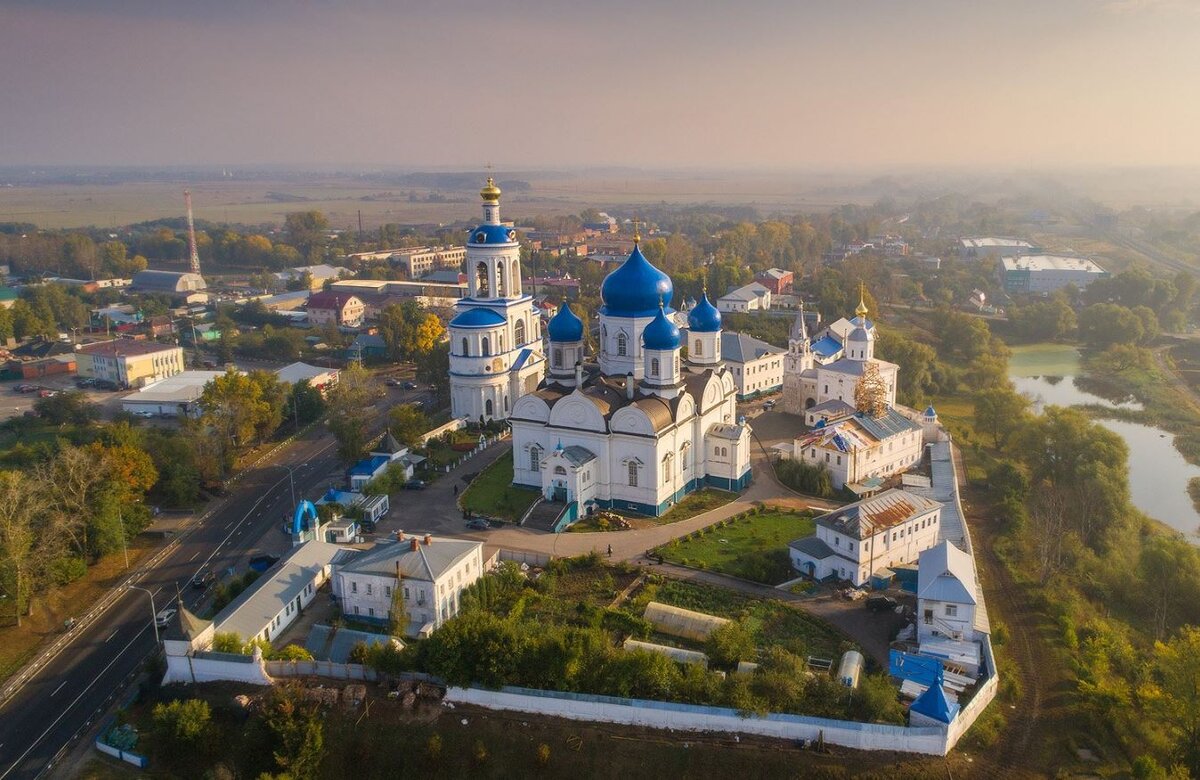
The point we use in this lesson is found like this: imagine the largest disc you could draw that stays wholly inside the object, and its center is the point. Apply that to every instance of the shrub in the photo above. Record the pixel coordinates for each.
(543, 754)
(64, 571)
(433, 747)
(182, 723)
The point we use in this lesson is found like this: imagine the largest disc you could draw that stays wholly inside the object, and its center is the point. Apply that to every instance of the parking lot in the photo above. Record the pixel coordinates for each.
(15, 404)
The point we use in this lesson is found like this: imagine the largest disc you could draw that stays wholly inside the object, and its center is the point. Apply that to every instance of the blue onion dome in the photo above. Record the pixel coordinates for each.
(930, 412)
(636, 288)
(704, 317)
(860, 335)
(492, 234)
(565, 326)
(661, 333)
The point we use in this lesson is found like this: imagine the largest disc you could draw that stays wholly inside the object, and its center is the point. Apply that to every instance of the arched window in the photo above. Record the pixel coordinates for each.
(488, 408)
(465, 350)
(653, 366)
(666, 468)
(519, 332)
(699, 350)
(724, 451)
(621, 345)
(683, 457)
(535, 459)
(559, 470)
(557, 358)
(500, 285)
(481, 281)
(487, 347)
(633, 474)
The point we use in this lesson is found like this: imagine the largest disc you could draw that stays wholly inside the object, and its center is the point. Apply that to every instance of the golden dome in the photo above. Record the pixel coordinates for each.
(861, 311)
(490, 192)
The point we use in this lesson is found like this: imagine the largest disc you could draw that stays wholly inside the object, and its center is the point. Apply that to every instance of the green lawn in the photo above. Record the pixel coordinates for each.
(753, 547)
(492, 494)
(691, 505)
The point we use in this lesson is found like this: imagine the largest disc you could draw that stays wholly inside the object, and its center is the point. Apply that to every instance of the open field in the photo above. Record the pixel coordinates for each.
(753, 548)
(262, 201)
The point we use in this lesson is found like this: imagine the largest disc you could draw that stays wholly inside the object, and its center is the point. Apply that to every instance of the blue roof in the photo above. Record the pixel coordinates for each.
(636, 288)
(704, 317)
(826, 346)
(661, 333)
(368, 466)
(477, 318)
(492, 234)
(933, 702)
(565, 325)
(519, 363)
(930, 411)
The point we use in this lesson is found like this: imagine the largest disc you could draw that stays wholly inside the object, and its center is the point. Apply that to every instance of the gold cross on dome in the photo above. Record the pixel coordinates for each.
(637, 236)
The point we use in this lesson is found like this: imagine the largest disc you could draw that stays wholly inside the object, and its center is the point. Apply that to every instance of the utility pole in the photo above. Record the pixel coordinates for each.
(153, 611)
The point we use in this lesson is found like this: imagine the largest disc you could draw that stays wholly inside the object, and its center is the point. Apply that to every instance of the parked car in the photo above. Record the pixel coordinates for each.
(769, 405)
(478, 524)
(202, 580)
(47, 393)
(414, 484)
(882, 604)
(393, 382)
(143, 413)
(163, 618)
(410, 385)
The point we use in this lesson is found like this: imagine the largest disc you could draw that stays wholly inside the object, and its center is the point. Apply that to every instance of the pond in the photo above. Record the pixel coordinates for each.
(1158, 474)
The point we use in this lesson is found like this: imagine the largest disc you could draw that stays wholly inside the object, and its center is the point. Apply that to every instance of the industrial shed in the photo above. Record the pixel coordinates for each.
(680, 622)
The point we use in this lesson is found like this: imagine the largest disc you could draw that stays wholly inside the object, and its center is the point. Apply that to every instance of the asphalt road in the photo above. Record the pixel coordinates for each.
(68, 693)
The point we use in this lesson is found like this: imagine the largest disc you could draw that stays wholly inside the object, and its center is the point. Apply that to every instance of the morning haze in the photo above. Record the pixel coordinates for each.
(665, 84)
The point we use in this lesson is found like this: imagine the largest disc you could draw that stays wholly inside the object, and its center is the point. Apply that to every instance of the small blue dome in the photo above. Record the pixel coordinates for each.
(661, 333)
(636, 288)
(930, 411)
(477, 318)
(565, 326)
(704, 317)
(860, 335)
(492, 234)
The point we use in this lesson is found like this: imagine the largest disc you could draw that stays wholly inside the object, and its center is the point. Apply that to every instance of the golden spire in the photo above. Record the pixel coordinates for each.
(637, 237)
(490, 193)
(861, 311)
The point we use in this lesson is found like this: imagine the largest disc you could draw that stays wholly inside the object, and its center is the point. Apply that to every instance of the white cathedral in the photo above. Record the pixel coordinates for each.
(495, 339)
(637, 428)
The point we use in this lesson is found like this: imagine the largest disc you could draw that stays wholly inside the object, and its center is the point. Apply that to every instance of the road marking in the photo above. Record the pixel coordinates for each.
(110, 636)
(59, 688)
(194, 556)
(67, 709)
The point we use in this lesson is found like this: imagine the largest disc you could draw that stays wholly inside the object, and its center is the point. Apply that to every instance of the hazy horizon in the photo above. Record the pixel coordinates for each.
(664, 85)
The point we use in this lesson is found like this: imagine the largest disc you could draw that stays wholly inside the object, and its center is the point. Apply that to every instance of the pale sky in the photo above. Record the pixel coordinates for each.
(652, 83)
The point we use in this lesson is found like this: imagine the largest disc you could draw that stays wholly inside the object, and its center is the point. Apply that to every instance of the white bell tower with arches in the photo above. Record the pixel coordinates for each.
(495, 339)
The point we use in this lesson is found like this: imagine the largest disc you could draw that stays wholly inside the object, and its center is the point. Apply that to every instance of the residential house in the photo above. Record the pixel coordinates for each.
(752, 297)
(341, 309)
(777, 280)
(948, 594)
(854, 541)
(320, 378)
(426, 575)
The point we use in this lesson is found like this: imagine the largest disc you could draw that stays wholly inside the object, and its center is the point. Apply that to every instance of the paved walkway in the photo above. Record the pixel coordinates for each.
(435, 509)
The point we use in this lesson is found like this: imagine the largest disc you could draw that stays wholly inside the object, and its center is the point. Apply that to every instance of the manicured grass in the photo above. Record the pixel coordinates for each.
(752, 547)
(691, 505)
(492, 494)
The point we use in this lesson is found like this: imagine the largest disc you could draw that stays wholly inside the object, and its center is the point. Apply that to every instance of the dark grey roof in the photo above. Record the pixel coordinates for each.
(329, 644)
(740, 348)
(890, 423)
(168, 281)
(812, 547)
(578, 455)
(865, 518)
(427, 562)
